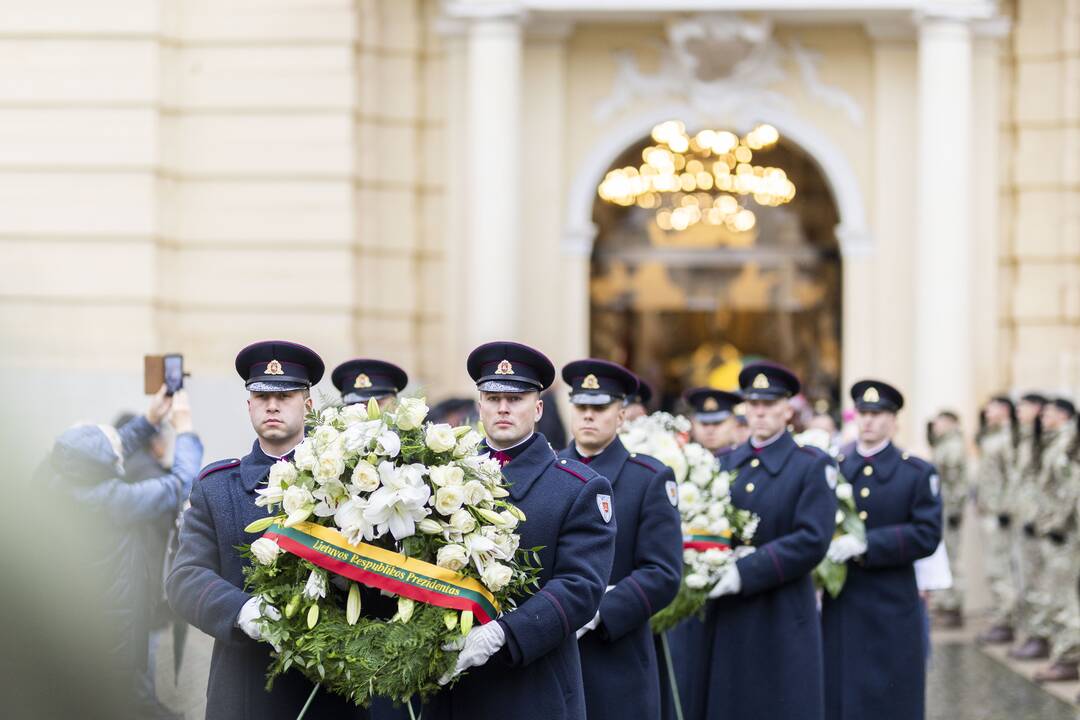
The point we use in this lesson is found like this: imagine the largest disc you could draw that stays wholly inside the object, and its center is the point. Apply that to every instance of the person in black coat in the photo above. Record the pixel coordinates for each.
(525, 664)
(206, 585)
(713, 419)
(760, 656)
(618, 657)
(874, 644)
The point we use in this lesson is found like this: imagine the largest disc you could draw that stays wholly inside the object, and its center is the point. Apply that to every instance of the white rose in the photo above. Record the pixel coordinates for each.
(714, 556)
(509, 521)
(365, 477)
(689, 495)
(443, 475)
(507, 544)
(324, 437)
(467, 444)
(356, 437)
(329, 467)
(452, 557)
(843, 491)
(282, 473)
(410, 413)
(696, 581)
(719, 526)
(448, 499)
(355, 413)
(265, 550)
(462, 521)
(475, 492)
(304, 455)
(721, 485)
(440, 438)
(388, 443)
(298, 502)
(496, 576)
(329, 415)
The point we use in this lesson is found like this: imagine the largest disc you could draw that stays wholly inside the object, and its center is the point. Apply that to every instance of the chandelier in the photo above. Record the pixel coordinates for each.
(704, 178)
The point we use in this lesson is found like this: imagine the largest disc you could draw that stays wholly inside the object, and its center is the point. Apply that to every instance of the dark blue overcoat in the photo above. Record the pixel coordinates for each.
(874, 649)
(762, 654)
(537, 675)
(205, 587)
(618, 658)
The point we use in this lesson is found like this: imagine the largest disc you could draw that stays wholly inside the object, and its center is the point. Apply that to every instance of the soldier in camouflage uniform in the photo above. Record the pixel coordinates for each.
(997, 449)
(1024, 480)
(1056, 527)
(949, 456)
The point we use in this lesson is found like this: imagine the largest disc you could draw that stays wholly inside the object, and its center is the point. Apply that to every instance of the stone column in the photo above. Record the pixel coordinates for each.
(942, 243)
(493, 142)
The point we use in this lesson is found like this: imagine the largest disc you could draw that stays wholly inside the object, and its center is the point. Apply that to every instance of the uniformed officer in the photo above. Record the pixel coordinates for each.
(618, 657)
(1024, 478)
(1056, 527)
(874, 644)
(637, 402)
(361, 379)
(713, 418)
(206, 585)
(998, 439)
(526, 663)
(949, 456)
(763, 653)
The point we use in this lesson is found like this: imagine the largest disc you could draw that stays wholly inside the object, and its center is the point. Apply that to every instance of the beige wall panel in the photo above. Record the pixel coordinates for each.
(297, 21)
(368, 22)
(366, 151)
(386, 218)
(257, 213)
(432, 230)
(1039, 160)
(431, 300)
(1038, 30)
(64, 137)
(79, 16)
(294, 280)
(101, 72)
(435, 369)
(300, 144)
(61, 333)
(1039, 220)
(78, 269)
(387, 284)
(399, 87)
(1046, 358)
(1039, 291)
(368, 87)
(396, 154)
(401, 25)
(433, 158)
(77, 203)
(393, 338)
(1038, 94)
(1071, 86)
(292, 77)
(433, 72)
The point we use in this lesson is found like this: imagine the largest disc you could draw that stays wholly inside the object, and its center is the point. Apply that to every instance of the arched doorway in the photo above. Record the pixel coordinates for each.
(686, 308)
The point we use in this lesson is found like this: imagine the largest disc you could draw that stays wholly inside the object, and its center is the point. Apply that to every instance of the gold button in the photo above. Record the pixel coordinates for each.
(563, 462)
(865, 492)
(868, 471)
(749, 487)
(755, 462)
(862, 515)
(905, 456)
(633, 454)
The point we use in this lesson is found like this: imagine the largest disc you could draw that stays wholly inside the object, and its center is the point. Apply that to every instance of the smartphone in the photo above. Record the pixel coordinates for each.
(174, 373)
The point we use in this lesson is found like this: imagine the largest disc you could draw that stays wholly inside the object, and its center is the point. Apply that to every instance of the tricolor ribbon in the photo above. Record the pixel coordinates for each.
(385, 569)
(702, 540)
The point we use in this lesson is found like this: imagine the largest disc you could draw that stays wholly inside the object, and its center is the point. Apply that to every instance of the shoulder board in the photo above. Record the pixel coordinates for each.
(219, 465)
(815, 451)
(646, 461)
(918, 462)
(581, 472)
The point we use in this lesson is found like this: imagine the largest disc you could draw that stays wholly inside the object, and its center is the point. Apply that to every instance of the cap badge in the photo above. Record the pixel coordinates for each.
(273, 368)
(871, 395)
(505, 368)
(760, 382)
(590, 383)
(362, 381)
(710, 405)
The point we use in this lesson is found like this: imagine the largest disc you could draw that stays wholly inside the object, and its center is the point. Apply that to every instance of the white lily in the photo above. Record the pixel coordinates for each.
(400, 502)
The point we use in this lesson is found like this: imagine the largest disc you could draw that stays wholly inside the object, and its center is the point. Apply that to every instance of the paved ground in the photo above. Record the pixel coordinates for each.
(965, 682)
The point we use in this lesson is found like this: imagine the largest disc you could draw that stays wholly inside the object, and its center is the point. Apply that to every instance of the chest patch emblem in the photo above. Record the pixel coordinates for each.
(830, 476)
(604, 503)
(935, 484)
(672, 492)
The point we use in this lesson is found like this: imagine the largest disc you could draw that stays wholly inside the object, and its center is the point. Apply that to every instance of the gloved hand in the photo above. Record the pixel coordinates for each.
(480, 644)
(251, 612)
(844, 548)
(591, 625)
(744, 551)
(729, 583)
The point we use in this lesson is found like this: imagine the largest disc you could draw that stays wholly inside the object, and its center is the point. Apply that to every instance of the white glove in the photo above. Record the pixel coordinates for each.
(591, 625)
(744, 551)
(729, 583)
(480, 644)
(844, 548)
(251, 613)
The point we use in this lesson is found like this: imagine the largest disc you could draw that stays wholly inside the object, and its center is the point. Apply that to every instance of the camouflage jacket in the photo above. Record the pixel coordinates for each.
(949, 458)
(993, 480)
(1023, 477)
(1059, 485)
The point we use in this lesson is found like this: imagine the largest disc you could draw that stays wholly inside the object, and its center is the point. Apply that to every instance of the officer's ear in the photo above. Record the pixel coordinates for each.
(621, 418)
(308, 402)
(539, 408)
